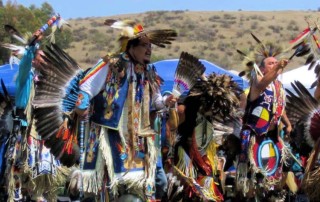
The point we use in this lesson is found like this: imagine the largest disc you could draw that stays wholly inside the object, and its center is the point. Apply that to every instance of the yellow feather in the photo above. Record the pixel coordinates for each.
(128, 32)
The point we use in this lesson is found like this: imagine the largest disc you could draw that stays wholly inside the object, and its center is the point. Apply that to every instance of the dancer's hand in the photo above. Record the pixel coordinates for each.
(170, 101)
(282, 63)
(38, 35)
(287, 132)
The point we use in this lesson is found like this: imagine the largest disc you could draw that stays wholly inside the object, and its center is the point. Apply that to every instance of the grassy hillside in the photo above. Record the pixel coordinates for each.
(213, 36)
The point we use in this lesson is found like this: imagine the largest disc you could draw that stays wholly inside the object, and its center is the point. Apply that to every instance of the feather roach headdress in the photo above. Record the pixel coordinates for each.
(132, 30)
(253, 59)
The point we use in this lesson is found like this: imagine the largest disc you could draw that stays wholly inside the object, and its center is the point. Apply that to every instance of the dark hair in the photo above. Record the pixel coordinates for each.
(133, 43)
(262, 62)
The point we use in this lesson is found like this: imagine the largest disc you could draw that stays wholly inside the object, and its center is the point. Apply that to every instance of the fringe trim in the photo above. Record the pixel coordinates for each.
(135, 184)
(175, 187)
(10, 169)
(285, 153)
(46, 183)
(49, 184)
(10, 184)
(107, 156)
(185, 164)
(150, 165)
(190, 182)
(92, 179)
(209, 189)
(311, 178)
(28, 110)
(75, 180)
(242, 181)
(138, 183)
(211, 152)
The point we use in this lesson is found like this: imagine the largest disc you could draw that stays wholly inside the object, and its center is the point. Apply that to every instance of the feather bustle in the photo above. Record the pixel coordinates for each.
(303, 107)
(56, 91)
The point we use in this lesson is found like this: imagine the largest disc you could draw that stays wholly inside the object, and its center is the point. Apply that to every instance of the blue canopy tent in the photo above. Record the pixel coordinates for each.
(7, 74)
(166, 69)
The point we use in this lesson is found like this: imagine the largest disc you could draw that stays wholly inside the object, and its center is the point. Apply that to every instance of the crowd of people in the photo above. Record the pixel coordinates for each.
(107, 133)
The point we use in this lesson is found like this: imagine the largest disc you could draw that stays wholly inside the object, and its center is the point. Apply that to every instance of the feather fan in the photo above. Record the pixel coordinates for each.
(188, 72)
(303, 109)
(55, 97)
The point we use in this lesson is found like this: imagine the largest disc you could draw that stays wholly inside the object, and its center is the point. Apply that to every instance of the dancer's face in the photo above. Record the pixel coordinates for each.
(269, 64)
(142, 51)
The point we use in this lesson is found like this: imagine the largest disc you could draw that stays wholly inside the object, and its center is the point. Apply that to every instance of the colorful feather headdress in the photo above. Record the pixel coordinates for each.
(132, 30)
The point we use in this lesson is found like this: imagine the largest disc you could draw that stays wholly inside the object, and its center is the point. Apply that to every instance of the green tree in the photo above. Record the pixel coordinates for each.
(28, 20)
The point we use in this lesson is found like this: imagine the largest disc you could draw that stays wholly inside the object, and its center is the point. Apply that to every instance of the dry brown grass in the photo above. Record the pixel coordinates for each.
(213, 36)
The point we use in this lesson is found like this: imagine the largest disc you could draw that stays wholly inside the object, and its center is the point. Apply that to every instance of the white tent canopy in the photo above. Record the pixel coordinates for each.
(302, 74)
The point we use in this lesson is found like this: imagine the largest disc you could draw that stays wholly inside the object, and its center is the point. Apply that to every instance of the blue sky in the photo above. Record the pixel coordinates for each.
(99, 8)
